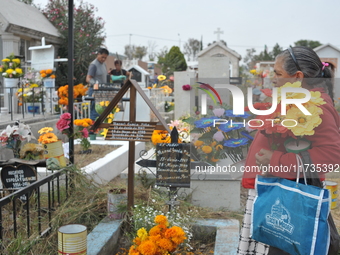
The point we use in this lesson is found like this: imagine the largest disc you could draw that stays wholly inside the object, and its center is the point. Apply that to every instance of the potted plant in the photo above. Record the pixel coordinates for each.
(11, 71)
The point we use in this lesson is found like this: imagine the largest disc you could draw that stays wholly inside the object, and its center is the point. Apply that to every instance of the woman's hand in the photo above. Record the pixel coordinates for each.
(263, 157)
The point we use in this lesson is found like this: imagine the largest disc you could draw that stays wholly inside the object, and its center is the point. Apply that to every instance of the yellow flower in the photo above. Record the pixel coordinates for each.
(253, 71)
(18, 70)
(9, 71)
(206, 149)
(102, 103)
(1, 70)
(305, 123)
(142, 234)
(45, 130)
(316, 98)
(20, 90)
(107, 103)
(162, 220)
(104, 133)
(48, 138)
(161, 77)
(34, 85)
(117, 109)
(6, 60)
(16, 60)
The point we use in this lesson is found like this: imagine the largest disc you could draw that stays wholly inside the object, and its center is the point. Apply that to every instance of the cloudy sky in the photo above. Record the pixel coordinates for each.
(245, 23)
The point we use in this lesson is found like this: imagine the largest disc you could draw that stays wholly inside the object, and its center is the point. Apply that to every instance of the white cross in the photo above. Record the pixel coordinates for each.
(218, 32)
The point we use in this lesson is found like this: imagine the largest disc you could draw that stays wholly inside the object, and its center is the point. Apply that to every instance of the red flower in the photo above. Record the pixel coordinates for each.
(186, 87)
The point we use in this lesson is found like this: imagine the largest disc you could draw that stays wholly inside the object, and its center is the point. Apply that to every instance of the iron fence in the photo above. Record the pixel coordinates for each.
(32, 215)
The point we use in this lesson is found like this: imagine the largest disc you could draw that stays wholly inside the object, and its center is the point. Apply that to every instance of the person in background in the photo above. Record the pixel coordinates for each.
(97, 73)
(119, 73)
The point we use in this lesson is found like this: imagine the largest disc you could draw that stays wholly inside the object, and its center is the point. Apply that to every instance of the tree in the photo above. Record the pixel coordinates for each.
(173, 61)
(191, 48)
(129, 51)
(88, 36)
(151, 50)
(276, 50)
(162, 53)
(308, 43)
(140, 52)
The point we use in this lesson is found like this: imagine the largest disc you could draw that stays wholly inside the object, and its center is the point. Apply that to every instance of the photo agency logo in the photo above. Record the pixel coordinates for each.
(227, 92)
(227, 117)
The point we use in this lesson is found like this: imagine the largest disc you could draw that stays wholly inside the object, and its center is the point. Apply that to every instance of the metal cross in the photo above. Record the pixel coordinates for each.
(218, 32)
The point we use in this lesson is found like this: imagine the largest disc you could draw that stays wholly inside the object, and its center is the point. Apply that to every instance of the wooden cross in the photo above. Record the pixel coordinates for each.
(218, 32)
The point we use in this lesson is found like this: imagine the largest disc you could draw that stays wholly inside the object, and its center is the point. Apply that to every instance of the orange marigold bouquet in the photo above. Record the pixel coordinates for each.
(161, 239)
(82, 132)
(48, 73)
(78, 90)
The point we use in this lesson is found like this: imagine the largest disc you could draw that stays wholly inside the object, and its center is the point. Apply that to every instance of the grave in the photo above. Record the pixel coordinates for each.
(216, 190)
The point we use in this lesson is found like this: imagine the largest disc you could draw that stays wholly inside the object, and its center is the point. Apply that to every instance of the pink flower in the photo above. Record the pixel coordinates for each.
(218, 112)
(66, 116)
(218, 136)
(186, 87)
(63, 124)
(171, 78)
(85, 133)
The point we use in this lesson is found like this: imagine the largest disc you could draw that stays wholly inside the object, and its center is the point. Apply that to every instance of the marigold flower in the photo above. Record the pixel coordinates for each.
(166, 244)
(207, 149)
(161, 219)
(49, 71)
(147, 248)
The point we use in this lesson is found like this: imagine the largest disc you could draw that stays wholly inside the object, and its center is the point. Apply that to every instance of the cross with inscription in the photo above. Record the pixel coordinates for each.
(218, 32)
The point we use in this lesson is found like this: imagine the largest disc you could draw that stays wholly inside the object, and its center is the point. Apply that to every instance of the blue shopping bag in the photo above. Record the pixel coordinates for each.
(291, 216)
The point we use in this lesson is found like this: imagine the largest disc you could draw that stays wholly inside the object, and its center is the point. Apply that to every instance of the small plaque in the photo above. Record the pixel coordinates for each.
(173, 164)
(130, 131)
(18, 177)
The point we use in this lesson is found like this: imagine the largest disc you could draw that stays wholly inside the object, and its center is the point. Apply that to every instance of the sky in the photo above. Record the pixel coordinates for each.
(245, 23)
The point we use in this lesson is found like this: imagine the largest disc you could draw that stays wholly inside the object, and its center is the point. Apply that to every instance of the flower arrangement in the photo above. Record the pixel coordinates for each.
(48, 73)
(13, 136)
(213, 141)
(163, 136)
(160, 239)
(82, 132)
(296, 123)
(100, 107)
(78, 91)
(47, 136)
(164, 83)
(32, 151)
(30, 93)
(11, 67)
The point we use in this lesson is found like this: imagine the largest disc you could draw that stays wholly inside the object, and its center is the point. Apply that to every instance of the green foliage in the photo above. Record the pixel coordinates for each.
(308, 43)
(88, 36)
(173, 61)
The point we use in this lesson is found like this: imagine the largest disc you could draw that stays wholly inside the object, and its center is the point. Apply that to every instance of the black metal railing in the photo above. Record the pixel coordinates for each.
(28, 211)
